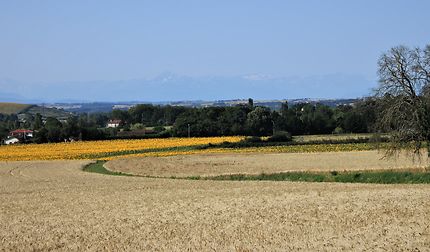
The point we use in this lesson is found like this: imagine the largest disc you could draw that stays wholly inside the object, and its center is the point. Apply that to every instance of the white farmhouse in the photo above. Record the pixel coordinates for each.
(113, 123)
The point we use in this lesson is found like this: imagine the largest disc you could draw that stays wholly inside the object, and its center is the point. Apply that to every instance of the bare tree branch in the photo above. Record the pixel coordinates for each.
(404, 89)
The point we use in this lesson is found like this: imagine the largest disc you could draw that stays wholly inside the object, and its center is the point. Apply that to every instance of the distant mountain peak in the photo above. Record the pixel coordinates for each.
(257, 77)
(171, 86)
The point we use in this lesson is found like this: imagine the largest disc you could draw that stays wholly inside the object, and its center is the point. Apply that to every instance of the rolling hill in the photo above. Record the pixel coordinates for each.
(13, 108)
(9, 108)
(47, 112)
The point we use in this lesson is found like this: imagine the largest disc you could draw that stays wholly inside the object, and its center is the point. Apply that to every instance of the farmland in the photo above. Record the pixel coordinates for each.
(54, 205)
(249, 163)
(12, 108)
(104, 149)
(310, 138)
(112, 149)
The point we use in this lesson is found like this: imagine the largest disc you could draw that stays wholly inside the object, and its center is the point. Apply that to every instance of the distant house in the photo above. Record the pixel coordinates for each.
(11, 140)
(113, 123)
(21, 133)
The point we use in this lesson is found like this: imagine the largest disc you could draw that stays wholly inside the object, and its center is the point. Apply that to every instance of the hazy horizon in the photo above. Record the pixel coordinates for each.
(171, 87)
(192, 50)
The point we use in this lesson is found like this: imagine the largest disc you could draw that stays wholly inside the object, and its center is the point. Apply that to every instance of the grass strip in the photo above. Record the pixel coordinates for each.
(373, 177)
(98, 167)
(384, 177)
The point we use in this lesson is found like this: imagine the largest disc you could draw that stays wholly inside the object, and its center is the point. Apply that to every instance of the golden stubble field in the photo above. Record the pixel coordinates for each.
(252, 163)
(53, 205)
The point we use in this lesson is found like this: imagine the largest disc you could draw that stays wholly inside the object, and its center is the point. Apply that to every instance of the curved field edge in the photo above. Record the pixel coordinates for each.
(411, 176)
(98, 167)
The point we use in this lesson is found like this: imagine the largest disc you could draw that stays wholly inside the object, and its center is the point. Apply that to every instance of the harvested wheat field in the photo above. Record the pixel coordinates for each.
(251, 163)
(54, 205)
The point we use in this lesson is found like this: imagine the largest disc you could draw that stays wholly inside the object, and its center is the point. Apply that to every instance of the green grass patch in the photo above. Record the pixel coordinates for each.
(384, 177)
(98, 167)
(376, 177)
(290, 176)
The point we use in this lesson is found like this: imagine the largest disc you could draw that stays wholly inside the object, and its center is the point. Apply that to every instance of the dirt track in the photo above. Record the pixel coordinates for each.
(251, 163)
(54, 205)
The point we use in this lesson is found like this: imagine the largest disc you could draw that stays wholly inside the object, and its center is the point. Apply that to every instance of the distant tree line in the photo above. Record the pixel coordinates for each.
(300, 119)
(50, 129)
(244, 119)
(247, 119)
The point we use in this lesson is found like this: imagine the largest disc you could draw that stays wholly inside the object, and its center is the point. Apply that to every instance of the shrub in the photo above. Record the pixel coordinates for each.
(137, 126)
(280, 136)
(159, 129)
(338, 130)
(253, 139)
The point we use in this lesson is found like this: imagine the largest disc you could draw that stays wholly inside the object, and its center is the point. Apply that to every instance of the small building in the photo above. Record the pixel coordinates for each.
(21, 133)
(113, 123)
(11, 140)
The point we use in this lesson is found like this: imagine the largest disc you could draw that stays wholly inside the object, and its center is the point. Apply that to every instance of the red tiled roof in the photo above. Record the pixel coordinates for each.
(21, 131)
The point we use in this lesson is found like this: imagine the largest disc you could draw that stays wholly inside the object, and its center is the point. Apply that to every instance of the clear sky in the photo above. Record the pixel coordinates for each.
(54, 42)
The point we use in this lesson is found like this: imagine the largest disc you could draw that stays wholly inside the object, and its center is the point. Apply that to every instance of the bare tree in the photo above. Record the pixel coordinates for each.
(404, 89)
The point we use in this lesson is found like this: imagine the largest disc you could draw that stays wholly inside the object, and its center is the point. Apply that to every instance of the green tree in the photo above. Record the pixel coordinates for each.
(142, 113)
(38, 123)
(71, 128)
(41, 136)
(187, 119)
(122, 115)
(251, 103)
(54, 129)
(354, 122)
(259, 122)
(4, 131)
(284, 109)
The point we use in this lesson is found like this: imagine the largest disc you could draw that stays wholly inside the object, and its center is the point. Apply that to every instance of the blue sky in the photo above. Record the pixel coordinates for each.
(52, 45)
